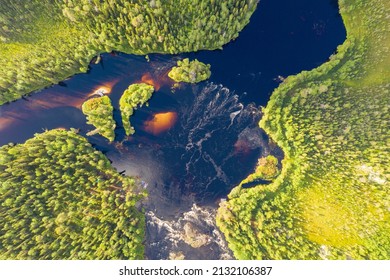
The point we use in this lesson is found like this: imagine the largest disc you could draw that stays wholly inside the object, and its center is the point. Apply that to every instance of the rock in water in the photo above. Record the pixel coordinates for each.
(193, 237)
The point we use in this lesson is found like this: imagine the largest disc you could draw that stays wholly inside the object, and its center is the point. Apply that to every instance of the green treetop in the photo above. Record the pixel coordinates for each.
(190, 71)
(135, 95)
(99, 112)
(267, 168)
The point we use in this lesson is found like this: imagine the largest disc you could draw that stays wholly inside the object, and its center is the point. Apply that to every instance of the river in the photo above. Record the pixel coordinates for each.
(192, 144)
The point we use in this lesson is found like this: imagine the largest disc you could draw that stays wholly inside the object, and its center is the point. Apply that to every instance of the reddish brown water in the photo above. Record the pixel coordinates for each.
(160, 123)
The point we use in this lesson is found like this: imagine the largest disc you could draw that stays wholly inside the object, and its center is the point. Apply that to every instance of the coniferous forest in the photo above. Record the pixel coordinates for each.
(61, 199)
(99, 113)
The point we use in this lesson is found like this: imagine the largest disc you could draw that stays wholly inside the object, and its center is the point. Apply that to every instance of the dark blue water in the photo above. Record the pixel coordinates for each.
(283, 38)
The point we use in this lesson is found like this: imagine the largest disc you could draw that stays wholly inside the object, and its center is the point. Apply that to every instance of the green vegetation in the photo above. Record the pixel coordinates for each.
(332, 198)
(38, 47)
(135, 95)
(43, 42)
(99, 112)
(267, 168)
(61, 199)
(173, 26)
(190, 72)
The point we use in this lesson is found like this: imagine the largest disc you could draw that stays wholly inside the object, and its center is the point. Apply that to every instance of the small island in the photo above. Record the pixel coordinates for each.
(190, 71)
(99, 112)
(135, 95)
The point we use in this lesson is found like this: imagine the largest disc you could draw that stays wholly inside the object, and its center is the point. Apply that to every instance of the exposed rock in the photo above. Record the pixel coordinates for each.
(176, 256)
(193, 237)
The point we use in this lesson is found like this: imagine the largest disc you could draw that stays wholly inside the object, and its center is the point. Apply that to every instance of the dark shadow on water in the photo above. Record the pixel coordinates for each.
(255, 183)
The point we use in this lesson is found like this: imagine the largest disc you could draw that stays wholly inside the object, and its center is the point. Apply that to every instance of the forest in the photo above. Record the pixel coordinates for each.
(267, 168)
(62, 199)
(332, 197)
(44, 42)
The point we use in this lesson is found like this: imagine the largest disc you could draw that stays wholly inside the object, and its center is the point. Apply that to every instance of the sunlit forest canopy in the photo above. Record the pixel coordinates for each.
(190, 71)
(99, 113)
(43, 42)
(136, 95)
(61, 199)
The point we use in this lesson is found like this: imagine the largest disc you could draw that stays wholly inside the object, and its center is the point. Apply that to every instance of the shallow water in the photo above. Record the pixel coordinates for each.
(193, 145)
